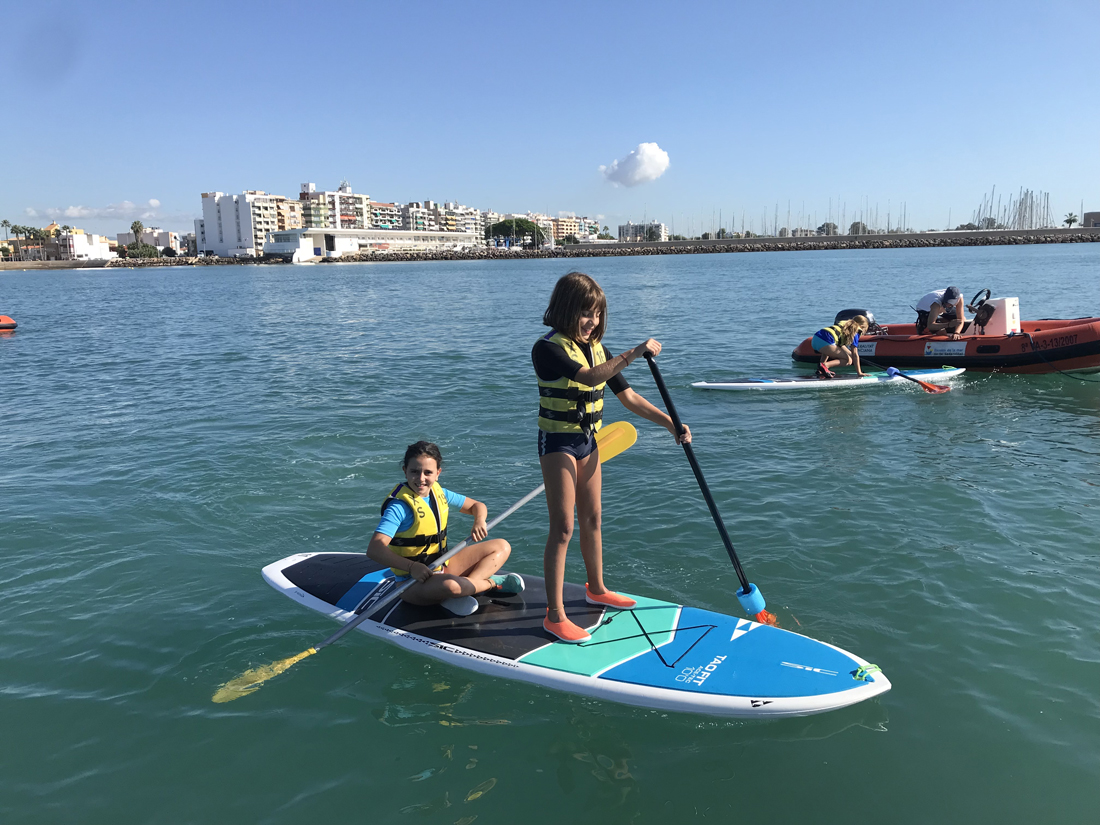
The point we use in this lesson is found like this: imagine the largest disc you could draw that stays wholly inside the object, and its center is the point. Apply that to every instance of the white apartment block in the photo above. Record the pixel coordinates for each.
(235, 226)
(78, 246)
(642, 232)
(154, 236)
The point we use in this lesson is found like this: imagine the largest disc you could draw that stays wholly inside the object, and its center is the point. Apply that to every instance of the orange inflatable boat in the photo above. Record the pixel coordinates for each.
(1004, 344)
(7, 323)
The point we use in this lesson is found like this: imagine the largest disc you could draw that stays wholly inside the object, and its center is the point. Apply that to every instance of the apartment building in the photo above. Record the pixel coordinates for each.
(385, 215)
(236, 226)
(288, 213)
(342, 209)
(420, 216)
(642, 232)
(565, 226)
(153, 236)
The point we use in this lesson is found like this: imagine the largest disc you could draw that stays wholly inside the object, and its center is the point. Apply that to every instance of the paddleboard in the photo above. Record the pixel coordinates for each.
(658, 655)
(810, 382)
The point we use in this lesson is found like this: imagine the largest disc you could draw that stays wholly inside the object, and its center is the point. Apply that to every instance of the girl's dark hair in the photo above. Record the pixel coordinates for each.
(573, 295)
(422, 448)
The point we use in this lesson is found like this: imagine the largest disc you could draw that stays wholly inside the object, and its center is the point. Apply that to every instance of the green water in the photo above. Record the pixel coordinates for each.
(166, 433)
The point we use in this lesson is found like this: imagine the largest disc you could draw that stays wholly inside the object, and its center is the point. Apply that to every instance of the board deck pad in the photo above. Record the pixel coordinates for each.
(658, 654)
(812, 382)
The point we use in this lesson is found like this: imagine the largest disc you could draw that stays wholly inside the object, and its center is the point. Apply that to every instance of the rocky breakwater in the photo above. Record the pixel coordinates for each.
(921, 241)
(142, 263)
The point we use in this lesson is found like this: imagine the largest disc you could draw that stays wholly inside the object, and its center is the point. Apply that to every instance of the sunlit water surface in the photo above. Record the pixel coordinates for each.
(166, 433)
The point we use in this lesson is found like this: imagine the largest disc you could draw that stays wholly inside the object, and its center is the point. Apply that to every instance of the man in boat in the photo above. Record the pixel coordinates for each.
(941, 312)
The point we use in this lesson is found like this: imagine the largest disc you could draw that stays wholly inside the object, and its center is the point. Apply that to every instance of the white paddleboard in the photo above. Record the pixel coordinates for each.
(810, 382)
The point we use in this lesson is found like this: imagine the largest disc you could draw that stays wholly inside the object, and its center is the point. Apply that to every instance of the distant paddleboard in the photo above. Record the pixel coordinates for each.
(809, 382)
(658, 655)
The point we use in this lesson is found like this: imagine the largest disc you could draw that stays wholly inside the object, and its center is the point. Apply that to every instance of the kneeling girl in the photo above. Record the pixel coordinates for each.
(838, 345)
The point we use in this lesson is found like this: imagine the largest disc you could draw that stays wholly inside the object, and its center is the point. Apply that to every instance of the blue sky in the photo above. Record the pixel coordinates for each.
(515, 106)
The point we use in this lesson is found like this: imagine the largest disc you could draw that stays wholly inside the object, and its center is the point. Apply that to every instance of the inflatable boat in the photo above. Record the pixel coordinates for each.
(7, 324)
(999, 342)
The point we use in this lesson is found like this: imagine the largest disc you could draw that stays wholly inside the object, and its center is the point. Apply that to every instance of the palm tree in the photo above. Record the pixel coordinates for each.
(1070, 220)
(137, 227)
(6, 224)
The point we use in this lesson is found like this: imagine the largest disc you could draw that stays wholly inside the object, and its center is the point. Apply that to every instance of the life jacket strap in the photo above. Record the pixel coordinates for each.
(575, 416)
(420, 541)
(572, 394)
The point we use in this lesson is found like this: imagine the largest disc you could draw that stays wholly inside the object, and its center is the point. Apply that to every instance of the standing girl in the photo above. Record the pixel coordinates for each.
(838, 345)
(573, 366)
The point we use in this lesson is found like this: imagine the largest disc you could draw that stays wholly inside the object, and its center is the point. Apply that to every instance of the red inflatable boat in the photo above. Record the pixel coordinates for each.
(1004, 344)
(7, 324)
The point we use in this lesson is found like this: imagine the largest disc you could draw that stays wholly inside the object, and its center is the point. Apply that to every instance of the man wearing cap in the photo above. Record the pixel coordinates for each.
(941, 311)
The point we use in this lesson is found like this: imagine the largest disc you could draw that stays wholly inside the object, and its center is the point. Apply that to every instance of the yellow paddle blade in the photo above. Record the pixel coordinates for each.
(615, 438)
(250, 681)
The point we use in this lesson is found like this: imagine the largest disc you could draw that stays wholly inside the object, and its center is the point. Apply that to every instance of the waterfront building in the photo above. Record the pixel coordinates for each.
(420, 216)
(463, 218)
(1091, 219)
(154, 236)
(565, 225)
(313, 243)
(73, 245)
(235, 226)
(342, 209)
(385, 216)
(641, 232)
(288, 213)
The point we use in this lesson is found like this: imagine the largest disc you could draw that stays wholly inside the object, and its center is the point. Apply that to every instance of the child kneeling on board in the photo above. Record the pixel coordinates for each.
(838, 345)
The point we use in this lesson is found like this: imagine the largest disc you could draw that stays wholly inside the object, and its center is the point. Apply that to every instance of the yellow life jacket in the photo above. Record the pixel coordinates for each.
(565, 405)
(427, 537)
(836, 332)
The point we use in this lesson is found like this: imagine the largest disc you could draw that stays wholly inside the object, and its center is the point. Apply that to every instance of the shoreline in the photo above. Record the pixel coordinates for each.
(770, 244)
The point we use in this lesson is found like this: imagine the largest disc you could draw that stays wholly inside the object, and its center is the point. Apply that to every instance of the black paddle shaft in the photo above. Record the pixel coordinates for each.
(695, 468)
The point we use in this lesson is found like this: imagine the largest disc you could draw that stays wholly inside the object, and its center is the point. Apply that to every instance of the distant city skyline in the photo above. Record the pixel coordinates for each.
(617, 110)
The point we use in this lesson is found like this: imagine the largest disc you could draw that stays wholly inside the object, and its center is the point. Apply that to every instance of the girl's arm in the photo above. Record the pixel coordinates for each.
(639, 406)
(473, 507)
(379, 550)
(591, 376)
(855, 357)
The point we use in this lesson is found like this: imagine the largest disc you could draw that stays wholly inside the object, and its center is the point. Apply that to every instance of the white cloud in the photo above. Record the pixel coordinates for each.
(124, 210)
(648, 162)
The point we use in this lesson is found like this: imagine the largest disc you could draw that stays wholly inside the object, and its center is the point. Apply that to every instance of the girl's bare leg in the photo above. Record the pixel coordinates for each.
(589, 516)
(478, 562)
(559, 472)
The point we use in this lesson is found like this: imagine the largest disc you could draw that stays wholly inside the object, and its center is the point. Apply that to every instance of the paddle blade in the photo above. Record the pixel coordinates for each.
(615, 438)
(764, 617)
(250, 681)
(933, 388)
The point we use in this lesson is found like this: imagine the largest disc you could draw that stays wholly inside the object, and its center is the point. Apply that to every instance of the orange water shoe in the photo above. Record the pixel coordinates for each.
(608, 599)
(566, 631)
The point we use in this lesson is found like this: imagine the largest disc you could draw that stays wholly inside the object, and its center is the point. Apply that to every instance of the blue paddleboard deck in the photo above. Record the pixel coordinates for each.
(658, 655)
(810, 382)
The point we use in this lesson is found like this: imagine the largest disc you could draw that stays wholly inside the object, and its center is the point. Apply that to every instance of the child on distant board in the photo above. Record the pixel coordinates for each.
(838, 345)
(572, 367)
(413, 531)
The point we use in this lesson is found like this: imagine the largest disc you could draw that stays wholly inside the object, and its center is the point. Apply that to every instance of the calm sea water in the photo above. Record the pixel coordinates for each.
(166, 433)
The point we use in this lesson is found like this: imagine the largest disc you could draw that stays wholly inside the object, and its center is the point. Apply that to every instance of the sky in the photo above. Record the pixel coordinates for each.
(681, 113)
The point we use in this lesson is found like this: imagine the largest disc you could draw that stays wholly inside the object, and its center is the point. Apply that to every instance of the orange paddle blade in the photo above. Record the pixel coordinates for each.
(933, 388)
(764, 617)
